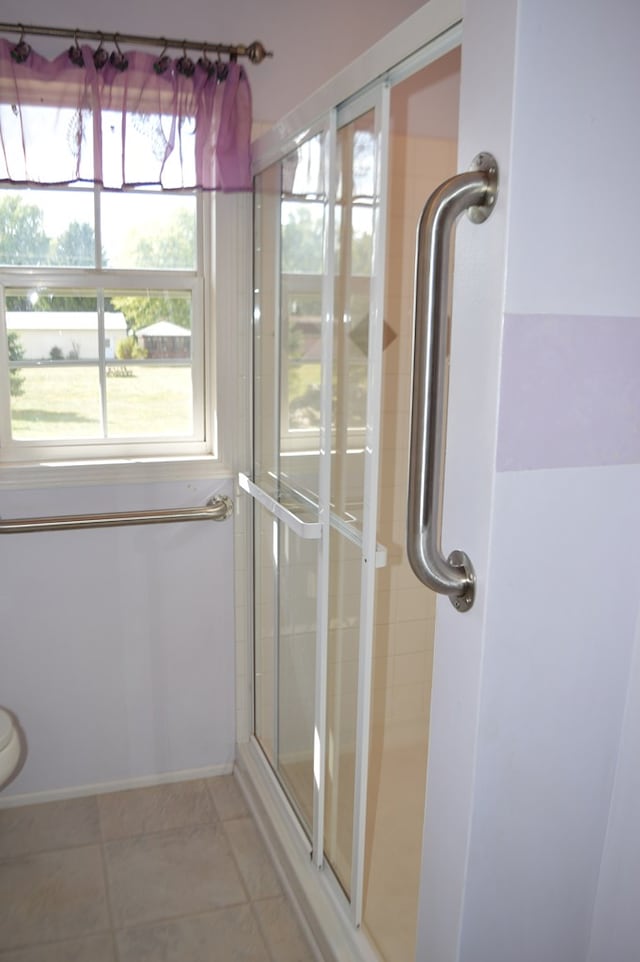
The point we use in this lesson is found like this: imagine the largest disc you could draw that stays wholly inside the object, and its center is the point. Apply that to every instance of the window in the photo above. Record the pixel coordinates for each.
(106, 172)
(103, 303)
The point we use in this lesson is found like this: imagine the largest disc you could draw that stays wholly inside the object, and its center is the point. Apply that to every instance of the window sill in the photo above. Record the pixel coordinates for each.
(50, 474)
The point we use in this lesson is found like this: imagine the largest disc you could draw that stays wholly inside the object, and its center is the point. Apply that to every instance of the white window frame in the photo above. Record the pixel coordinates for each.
(34, 463)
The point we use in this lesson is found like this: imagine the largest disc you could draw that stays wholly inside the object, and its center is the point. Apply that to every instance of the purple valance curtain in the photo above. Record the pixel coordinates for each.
(123, 120)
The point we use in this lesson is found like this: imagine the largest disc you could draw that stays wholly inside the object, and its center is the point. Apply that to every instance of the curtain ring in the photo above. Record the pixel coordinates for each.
(100, 56)
(222, 69)
(75, 53)
(185, 65)
(205, 64)
(22, 49)
(117, 58)
(162, 64)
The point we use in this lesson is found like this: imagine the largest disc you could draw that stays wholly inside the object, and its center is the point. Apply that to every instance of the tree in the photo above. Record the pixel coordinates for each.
(302, 245)
(23, 243)
(142, 311)
(75, 247)
(171, 247)
(16, 353)
(302, 242)
(22, 237)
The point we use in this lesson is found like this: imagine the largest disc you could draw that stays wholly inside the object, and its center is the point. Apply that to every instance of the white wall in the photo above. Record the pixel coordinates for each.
(531, 744)
(116, 648)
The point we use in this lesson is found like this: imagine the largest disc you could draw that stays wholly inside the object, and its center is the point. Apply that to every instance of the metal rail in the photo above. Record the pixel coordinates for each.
(217, 508)
(254, 51)
(475, 192)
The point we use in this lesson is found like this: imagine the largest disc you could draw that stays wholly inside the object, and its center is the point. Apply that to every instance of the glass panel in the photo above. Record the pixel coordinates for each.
(55, 402)
(56, 325)
(159, 322)
(353, 241)
(265, 553)
(302, 227)
(285, 576)
(289, 250)
(301, 392)
(57, 395)
(423, 152)
(354, 244)
(149, 400)
(53, 227)
(150, 231)
(146, 398)
(342, 688)
(298, 575)
(149, 383)
(265, 328)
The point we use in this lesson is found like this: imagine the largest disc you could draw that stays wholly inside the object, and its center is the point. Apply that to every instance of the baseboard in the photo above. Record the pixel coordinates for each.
(328, 929)
(119, 785)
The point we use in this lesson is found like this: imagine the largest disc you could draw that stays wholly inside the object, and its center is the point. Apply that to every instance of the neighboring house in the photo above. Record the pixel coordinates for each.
(74, 333)
(165, 339)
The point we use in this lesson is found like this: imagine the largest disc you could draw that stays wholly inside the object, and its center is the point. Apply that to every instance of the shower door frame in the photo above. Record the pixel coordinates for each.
(374, 100)
(391, 61)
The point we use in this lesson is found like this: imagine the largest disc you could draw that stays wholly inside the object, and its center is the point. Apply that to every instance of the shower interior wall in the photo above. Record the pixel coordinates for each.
(405, 609)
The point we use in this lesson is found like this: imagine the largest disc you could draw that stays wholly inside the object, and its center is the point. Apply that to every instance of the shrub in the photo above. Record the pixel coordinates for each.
(56, 354)
(128, 348)
(16, 353)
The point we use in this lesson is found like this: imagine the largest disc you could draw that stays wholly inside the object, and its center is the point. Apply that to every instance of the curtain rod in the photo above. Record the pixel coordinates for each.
(254, 51)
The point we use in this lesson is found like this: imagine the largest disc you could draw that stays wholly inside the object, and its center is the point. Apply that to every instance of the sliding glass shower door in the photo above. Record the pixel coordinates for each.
(289, 230)
(318, 291)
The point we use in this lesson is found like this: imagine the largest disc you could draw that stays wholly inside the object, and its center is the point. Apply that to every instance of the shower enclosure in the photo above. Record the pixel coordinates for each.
(342, 629)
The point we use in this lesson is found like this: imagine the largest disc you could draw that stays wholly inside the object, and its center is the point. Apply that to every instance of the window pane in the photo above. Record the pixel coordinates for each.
(149, 231)
(159, 322)
(96, 363)
(59, 326)
(149, 381)
(149, 400)
(146, 353)
(47, 228)
(55, 402)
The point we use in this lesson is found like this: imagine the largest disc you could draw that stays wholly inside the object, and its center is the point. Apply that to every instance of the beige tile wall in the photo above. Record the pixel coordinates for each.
(405, 609)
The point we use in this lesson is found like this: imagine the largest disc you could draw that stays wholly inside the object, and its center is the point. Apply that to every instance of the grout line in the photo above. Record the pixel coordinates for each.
(168, 919)
(215, 821)
(236, 862)
(114, 941)
(262, 932)
(161, 831)
(107, 890)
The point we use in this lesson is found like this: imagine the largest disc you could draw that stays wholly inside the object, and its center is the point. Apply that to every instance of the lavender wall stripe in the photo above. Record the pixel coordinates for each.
(570, 393)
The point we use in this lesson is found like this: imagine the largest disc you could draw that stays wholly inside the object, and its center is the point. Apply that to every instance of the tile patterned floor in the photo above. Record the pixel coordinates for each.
(173, 873)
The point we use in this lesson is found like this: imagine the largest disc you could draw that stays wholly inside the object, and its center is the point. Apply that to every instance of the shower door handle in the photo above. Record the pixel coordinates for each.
(475, 192)
(308, 530)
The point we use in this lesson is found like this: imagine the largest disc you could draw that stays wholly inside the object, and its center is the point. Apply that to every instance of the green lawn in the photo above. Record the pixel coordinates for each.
(64, 403)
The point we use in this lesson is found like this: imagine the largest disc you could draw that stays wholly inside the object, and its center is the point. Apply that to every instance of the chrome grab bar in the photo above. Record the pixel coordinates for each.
(475, 192)
(217, 508)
